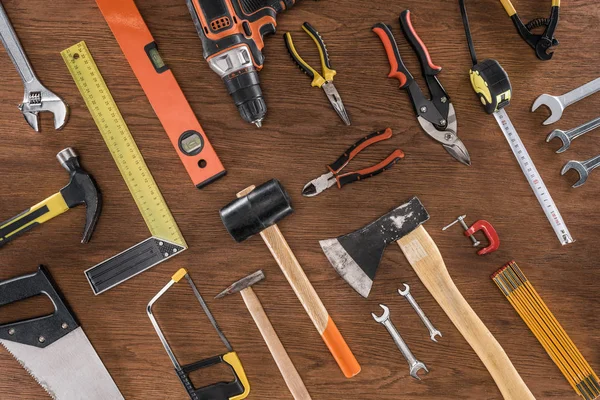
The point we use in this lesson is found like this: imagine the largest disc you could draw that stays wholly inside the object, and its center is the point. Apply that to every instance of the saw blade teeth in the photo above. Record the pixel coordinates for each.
(35, 378)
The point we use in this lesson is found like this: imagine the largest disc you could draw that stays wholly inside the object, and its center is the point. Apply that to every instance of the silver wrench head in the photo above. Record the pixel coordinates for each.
(384, 317)
(405, 292)
(416, 367)
(554, 105)
(566, 140)
(434, 334)
(580, 168)
(43, 100)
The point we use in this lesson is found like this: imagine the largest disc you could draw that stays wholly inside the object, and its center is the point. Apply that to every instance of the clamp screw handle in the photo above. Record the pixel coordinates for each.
(461, 219)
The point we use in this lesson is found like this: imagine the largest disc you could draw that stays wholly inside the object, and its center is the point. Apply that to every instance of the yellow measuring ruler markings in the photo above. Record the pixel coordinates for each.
(166, 240)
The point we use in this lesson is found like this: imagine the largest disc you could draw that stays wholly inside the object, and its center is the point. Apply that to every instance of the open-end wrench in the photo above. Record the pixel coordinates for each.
(568, 136)
(37, 97)
(583, 167)
(414, 364)
(406, 294)
(557, 104)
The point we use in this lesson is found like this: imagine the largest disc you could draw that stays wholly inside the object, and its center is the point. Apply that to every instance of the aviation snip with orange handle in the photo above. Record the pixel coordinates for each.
(163, 91)
(334, 175)
(232, 34)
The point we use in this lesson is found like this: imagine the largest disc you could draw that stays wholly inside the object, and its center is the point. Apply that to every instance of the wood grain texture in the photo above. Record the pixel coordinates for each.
(425, 258)
(302, 134)
(282, 359)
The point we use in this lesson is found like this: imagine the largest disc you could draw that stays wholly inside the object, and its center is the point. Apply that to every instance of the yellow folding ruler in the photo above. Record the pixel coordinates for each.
(166, 240)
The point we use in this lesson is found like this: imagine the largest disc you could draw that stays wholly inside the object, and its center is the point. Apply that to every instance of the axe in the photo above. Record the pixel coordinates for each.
(356, 256)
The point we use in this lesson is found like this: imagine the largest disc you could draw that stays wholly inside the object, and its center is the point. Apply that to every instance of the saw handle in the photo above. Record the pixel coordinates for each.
(282, 359)
(42, 331)
(425, 258)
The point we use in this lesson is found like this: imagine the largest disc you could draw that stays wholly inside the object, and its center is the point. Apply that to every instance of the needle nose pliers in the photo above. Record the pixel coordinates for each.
(335, 175)
(324, 81)
(542, 44)
(435, 115)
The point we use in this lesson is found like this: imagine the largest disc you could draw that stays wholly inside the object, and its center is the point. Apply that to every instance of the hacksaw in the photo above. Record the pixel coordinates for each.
(166, 240)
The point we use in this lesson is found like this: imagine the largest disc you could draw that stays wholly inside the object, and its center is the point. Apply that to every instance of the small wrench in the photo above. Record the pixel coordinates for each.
(568, 136)
(414, 364)
(406, 294)
(583, 167)
(557, 104)
(37, 97)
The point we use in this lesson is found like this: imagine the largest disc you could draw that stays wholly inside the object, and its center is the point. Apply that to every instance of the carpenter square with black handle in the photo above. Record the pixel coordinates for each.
(53, 348)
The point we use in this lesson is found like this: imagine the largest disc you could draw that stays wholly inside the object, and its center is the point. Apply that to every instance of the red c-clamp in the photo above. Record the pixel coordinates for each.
(480, 225)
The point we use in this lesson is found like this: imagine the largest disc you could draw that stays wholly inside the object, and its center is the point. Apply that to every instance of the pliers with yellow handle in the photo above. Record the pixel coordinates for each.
(542, 44)
(324, 81)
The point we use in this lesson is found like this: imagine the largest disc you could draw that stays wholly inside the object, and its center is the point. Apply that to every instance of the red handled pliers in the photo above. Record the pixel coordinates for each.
(334, 175)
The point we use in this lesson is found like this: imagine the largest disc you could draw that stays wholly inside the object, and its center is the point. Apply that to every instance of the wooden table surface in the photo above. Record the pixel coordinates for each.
(302, 134)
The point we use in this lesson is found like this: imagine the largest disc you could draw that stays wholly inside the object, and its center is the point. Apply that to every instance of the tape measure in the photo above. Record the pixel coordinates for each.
(166, 240)
(490, 82)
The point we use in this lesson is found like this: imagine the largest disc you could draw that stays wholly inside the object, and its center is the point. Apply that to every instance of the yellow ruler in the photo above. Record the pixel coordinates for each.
(166, 240)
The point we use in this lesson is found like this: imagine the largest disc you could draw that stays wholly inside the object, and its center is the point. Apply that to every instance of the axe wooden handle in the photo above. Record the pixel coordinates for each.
(425, 258)
(310, 300)
(282, 359)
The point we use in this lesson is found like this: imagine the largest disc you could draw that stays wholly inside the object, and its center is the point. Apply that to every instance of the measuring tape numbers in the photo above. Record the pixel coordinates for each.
(166, 241)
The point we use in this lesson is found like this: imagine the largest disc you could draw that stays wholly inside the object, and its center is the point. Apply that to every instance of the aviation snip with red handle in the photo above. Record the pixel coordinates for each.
(435, 115)
(232, 33)
(334, 175)
(163, 91)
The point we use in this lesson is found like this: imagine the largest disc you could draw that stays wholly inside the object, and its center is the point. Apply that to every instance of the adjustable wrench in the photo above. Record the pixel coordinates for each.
(557, 104)
(37, 97)
(433, 332)
(583, 167)
(414, 364)
(568, 136)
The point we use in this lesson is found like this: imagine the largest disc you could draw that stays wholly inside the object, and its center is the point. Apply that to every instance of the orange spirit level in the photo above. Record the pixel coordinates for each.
(163, 91)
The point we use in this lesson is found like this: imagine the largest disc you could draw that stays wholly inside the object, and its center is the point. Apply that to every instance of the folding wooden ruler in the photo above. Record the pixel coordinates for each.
(166, 240)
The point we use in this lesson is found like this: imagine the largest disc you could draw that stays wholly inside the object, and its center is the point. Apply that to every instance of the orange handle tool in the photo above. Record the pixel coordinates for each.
(163, 91)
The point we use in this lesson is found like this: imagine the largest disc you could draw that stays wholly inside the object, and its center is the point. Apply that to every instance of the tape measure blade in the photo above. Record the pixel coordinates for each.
(533, 177)
(121, 144)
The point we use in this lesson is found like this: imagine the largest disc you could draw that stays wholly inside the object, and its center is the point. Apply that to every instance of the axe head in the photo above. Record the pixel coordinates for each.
(356, 256)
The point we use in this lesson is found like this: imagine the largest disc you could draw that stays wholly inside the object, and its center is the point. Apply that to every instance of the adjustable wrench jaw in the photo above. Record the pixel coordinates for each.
(37, 99)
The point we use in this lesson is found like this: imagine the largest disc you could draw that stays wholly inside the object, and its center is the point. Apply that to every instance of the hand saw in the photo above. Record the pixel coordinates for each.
(54, 349)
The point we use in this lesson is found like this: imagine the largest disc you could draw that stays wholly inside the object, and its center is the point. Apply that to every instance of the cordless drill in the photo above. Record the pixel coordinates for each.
(232, 34)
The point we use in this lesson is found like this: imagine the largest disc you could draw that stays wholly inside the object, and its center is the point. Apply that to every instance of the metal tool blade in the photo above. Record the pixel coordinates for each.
(318, 185)
(68, 369)
(336, 101)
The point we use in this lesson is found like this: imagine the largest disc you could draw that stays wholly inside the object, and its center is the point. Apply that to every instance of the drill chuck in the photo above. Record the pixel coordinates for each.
(244, 88)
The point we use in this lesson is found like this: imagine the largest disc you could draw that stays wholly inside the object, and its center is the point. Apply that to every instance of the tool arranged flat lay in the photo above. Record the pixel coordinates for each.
(540, 320)
(239, 388)
(37, 97)
(542, 44)
(435, 115)
(335, 175)
(53, 348)
(130, 95)
(163, 91)
(81, 189)
(323, 80)
(232, 34)
(166, 240)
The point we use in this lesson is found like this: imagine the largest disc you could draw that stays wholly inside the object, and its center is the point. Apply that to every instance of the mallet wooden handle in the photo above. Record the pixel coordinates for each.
(310, 300)
(425, 258)
(282, 359)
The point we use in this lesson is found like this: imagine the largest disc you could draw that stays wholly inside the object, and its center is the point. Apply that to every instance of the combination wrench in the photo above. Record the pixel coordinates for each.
(37, 97)
(568, 136)
(414, 364)
(584, 168)
(411, 300)
(557, 104)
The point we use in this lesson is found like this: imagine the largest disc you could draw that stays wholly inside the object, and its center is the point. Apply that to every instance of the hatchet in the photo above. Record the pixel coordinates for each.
(356, 256)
